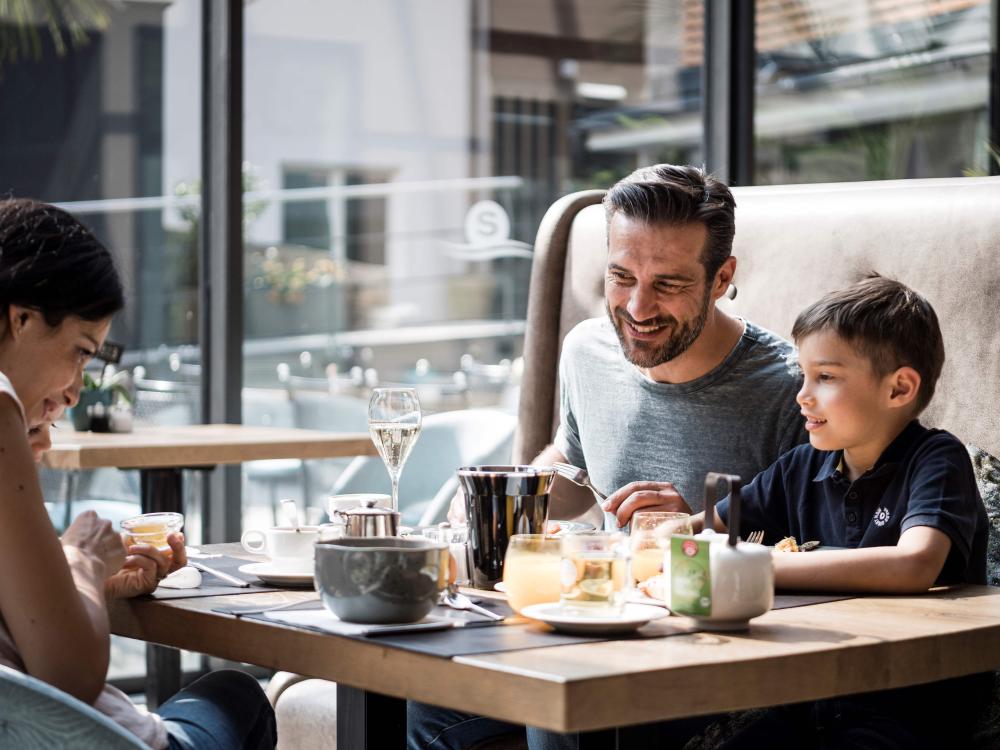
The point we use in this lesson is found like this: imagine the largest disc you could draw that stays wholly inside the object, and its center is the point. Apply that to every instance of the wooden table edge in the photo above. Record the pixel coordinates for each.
(567, 704)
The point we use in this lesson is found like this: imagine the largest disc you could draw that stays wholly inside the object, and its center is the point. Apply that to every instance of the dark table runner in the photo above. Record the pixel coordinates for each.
(486, 637)
(479, 636)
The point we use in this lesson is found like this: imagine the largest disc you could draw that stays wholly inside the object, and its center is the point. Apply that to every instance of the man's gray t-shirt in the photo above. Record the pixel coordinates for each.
(621, 426)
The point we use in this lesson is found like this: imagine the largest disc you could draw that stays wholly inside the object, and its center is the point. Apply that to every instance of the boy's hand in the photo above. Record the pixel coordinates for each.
(636, 496)
(911, 566)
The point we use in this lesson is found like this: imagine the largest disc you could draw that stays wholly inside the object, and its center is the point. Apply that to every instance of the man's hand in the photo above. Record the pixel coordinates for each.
(145, 567)
(94, 536)
(636, 496)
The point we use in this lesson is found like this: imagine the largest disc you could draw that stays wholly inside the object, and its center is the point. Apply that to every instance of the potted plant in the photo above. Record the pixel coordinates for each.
(105, 392)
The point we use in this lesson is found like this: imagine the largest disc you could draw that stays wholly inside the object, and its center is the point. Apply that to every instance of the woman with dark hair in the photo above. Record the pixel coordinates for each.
(58, 291)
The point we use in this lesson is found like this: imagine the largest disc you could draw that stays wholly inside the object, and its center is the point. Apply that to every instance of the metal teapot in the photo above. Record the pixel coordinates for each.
(369, 520)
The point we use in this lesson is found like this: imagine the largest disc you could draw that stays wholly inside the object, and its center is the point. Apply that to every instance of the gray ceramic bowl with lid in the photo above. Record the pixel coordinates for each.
(381, 580)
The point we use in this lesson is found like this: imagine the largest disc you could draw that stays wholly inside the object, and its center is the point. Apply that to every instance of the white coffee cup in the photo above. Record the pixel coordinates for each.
(282, 543)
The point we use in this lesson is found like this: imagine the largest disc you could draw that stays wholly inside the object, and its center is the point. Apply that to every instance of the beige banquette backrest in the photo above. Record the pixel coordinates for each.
(793, 244)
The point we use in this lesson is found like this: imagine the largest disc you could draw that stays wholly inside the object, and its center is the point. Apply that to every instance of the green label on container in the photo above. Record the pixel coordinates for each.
(690, 576)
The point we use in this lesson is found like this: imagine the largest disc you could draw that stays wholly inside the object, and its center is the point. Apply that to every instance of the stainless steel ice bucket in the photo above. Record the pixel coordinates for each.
(501, 501)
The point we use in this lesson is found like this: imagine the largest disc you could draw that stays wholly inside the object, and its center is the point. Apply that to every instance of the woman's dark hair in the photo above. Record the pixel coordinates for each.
(50, 262)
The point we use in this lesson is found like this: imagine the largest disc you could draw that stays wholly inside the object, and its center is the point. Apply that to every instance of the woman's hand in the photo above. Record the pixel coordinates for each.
(145, 567)
(95, 537)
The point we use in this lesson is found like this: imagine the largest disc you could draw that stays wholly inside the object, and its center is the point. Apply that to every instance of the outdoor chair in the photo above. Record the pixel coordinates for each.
(268, 407)
(317, 404)
(36, 716)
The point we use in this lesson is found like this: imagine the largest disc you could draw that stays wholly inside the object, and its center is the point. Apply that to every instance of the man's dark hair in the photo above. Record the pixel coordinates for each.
(50, 262)
(672, 194)
(885, 321)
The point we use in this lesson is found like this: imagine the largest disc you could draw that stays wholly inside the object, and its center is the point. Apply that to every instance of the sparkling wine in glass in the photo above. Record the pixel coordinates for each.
(394, 424)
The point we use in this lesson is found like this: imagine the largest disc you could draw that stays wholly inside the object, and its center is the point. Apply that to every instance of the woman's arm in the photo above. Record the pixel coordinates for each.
(51, 596)
(910, 567)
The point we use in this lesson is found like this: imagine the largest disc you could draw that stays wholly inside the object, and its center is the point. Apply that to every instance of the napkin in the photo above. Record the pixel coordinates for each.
(326, 622)
(182, 578)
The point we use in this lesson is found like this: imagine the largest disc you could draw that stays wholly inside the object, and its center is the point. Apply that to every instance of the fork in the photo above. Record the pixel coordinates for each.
(455, 600)
(755, 537)
(580, 477)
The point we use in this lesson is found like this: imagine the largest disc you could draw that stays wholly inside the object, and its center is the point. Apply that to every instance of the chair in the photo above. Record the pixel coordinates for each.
(33, 714)
(269, 407)
(316, 405)
(801, 241)
(428, 482)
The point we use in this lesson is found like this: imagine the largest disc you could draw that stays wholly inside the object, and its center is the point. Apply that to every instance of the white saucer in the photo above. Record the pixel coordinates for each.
(500, 586)
(633, 616)
(281, 575)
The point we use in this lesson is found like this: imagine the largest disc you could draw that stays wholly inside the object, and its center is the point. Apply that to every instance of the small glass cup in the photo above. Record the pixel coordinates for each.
(594, 573)
(457, 539)
(531, 570)
(650, 541)
(152, 529)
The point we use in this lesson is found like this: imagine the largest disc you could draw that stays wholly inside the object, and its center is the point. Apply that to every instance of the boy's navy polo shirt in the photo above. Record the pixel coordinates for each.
(923, 478)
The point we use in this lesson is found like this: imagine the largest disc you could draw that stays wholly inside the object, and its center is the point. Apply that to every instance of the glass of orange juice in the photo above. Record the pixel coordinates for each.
(650, 537)
(531, 570)
(152, 529)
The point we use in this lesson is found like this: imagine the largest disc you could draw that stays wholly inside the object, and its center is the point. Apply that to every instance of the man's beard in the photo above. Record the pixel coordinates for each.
(649, 354)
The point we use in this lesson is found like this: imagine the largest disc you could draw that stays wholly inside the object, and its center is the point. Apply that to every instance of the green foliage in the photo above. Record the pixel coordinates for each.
(115, 384)
(67, 22)
(994, 153)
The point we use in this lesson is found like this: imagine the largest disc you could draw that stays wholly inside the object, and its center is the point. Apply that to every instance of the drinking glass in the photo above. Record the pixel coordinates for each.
(152, 529)
(531, 570)
(594, 573)
(394, 424)
(650, 540)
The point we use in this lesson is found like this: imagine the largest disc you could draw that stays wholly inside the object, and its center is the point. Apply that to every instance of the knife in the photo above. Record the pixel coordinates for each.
(232, 580)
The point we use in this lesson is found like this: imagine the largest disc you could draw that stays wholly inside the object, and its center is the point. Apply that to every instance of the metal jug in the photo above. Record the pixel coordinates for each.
(369, 520)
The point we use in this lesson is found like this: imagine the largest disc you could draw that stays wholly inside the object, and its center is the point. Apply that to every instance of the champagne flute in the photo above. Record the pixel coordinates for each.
(394, 424)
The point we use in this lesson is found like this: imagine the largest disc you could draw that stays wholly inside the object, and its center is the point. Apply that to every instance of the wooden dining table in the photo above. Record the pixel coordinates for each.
(788, 655)
(162, 453)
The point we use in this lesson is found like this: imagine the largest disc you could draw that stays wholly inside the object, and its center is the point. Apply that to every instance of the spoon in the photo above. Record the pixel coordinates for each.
(291, 513)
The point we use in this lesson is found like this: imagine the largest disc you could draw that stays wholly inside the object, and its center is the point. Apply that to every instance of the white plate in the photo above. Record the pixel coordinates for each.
(280, 575)
(633, 616)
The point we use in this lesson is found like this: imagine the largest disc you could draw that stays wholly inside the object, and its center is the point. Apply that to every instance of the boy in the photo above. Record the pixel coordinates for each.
(901, 497)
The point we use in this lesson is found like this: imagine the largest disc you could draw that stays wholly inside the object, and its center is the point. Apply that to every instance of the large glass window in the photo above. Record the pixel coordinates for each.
(86, 94)
(400, 161)
(871, 90)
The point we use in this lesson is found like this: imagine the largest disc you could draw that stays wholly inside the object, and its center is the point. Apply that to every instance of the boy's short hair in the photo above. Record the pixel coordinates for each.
(888, 323)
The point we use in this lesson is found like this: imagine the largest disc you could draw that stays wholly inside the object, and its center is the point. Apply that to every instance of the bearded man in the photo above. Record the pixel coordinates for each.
(668, 387)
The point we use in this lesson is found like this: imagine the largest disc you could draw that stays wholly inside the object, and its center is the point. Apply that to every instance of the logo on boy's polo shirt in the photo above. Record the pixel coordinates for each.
(881, 517)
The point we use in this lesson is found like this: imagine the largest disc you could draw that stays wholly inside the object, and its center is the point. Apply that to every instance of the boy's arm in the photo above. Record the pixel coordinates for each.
(912, 566)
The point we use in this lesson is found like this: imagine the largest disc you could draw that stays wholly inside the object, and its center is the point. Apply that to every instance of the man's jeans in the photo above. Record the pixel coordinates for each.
(224, 710)
(432, 728)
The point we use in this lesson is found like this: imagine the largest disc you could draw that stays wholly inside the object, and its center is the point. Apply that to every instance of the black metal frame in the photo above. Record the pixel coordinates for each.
(728, 83)
(994, 95)
(221, 275)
